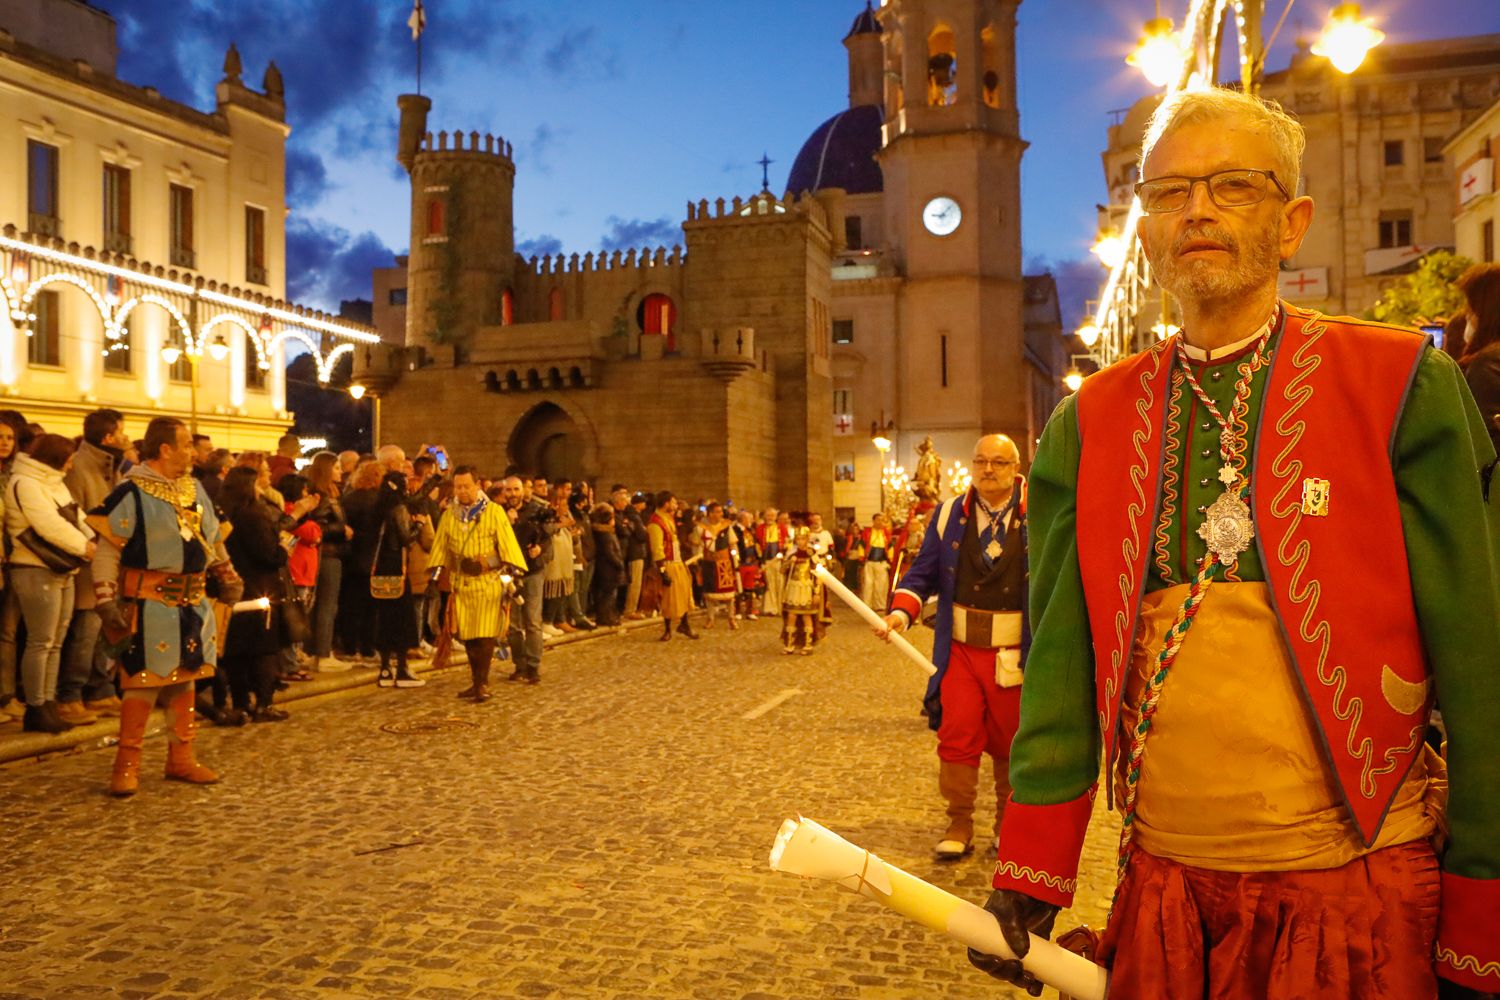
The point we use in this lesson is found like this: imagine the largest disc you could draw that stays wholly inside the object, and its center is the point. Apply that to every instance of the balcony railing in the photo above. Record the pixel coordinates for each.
(43, 225)
(118, 243)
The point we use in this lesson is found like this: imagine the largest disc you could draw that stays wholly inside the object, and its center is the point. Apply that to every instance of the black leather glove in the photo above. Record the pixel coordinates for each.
(1448, 990)
(1018, 915)
(112, 619)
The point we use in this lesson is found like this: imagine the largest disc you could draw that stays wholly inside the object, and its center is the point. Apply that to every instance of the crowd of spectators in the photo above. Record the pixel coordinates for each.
(309, 535)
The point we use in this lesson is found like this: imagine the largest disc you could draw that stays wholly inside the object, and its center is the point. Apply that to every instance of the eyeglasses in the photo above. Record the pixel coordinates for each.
(992, 463)
(1227, 189)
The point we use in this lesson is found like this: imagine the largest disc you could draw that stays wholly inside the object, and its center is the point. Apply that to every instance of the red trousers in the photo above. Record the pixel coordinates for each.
(1363, 931)
(979, 716)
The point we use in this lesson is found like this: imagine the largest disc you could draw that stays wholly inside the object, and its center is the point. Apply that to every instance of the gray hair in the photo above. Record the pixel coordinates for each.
(1192, 107)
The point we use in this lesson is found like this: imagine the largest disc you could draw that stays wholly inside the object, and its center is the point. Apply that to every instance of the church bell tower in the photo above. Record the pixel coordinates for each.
(951, 157)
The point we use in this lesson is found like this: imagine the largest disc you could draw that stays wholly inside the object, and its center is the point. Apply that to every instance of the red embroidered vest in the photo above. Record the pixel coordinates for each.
(1339, 581)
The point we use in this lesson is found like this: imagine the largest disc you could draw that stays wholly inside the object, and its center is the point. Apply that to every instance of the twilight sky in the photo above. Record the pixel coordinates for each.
(621, 111)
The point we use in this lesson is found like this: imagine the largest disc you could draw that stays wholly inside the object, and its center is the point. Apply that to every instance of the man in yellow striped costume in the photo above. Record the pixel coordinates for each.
(476, 545)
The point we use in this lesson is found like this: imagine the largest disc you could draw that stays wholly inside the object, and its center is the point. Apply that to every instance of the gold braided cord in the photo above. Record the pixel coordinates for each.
(1467, 963)
(1169, 478)
(1068, 885)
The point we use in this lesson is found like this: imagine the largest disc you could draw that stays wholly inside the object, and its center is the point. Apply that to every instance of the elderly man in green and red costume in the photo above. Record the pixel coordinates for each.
(1260, 550)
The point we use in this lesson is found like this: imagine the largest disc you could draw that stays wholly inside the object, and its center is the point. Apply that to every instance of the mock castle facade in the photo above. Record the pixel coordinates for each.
(713, 369)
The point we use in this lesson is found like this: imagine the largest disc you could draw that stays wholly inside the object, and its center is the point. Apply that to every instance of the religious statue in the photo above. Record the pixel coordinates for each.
(927, 483)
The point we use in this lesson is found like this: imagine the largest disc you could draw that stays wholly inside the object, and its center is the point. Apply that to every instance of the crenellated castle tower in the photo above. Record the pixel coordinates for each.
(463, 256)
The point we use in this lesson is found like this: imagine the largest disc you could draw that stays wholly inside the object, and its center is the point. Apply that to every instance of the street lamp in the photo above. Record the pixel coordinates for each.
(880, 437)
(1089, 334)
(1110, 248)
(1074, 379)
(1348, 38)
(357, 391)
(1158, 55)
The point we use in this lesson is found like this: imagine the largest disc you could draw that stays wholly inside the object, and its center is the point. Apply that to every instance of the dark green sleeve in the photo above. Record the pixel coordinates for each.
(1055, 755)
(1453, 547)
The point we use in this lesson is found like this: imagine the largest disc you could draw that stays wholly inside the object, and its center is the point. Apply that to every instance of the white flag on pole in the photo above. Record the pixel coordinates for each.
(417, 21)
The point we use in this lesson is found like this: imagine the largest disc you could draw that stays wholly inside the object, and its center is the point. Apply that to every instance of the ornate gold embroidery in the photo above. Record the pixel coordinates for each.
(1032, 875)
(1169, 476)
(1294, 556)
(1406, 697)
(1130, 547)
(1468, 963)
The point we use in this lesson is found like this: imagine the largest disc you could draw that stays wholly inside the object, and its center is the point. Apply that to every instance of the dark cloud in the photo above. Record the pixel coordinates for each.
(579, 52)
(545, 141)
(327, 264)
(626, 234)
(306, 178)
(540, 246)
(1079, 279)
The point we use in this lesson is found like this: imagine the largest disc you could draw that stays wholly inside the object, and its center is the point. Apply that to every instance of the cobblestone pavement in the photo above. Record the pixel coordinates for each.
(603, 834)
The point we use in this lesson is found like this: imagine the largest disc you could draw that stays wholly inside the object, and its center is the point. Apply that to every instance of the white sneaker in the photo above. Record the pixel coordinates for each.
(330, 665)
(551, 631)
(411, 681)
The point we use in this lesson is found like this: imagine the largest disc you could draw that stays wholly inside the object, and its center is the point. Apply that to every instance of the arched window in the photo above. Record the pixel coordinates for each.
(507, 307)
(436, 221)
(989, 82)
(657, 317)
(555, 305)
(942, 67)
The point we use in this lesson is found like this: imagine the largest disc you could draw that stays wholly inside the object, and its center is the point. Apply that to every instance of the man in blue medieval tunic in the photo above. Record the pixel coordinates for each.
(150, 586)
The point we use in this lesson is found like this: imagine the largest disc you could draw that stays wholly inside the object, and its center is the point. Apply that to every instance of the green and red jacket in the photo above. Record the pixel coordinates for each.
(1390, 598)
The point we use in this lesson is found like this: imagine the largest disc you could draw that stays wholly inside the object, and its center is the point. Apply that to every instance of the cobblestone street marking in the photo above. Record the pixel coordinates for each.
(766, 706)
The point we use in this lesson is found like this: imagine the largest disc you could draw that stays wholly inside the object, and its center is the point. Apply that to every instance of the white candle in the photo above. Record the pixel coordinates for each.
(850, 598)
(805, 848)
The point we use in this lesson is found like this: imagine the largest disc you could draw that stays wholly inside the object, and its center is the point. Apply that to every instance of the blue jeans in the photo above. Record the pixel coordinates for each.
(526, 626)
(47, 607)
(326, 604)
(85, 668)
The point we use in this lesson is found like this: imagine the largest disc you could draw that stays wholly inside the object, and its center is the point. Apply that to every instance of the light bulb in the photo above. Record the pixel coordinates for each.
(171, 355)
(1158, 55)
(1089, 334)
(1110, 249)
(1073, 380)
(218, 350)
(1348, 38)
(357, 391)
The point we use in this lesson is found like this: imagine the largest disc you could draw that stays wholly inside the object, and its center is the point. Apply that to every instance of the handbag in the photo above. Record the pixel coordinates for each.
(387, 588)
(56, 559)
(295, 626)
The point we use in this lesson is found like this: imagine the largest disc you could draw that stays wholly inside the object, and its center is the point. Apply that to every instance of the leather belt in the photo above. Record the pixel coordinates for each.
(178, 590)
(986, 629)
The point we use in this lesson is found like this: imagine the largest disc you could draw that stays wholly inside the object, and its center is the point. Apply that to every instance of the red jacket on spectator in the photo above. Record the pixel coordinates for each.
(302, 562)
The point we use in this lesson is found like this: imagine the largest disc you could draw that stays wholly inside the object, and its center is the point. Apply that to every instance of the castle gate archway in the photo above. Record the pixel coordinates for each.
(548, 441)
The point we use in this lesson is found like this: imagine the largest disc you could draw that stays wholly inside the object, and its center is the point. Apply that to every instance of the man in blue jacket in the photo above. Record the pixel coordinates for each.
(973, 559)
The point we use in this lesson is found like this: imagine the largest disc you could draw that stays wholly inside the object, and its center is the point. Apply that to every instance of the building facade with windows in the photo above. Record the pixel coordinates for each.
(143, 240)
(884, 288)
(1374, 165)
(1473, 155)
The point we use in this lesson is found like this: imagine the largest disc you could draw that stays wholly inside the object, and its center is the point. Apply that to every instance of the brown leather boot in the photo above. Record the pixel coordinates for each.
(182, 728)
(126, 776)
(959, 784)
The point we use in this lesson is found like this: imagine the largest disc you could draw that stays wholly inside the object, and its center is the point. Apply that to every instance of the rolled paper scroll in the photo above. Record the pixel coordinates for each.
(850, 598)
(805, 848)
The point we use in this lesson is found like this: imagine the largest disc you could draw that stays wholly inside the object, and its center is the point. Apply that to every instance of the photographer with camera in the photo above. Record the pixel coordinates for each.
(533, 521)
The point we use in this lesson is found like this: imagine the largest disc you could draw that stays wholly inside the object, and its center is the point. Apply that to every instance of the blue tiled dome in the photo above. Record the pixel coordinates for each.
(841, 153)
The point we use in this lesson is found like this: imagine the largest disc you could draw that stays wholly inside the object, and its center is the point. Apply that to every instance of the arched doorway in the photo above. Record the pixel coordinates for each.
(549, 442)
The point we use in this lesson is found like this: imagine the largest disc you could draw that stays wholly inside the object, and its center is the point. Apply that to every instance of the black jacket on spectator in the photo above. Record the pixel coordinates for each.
(329, 515)
(254, 547)
(530, 530)
(1482, 372)
(630, 529)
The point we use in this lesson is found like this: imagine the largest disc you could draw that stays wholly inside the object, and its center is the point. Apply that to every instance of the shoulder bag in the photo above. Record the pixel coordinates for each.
(386, 588)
